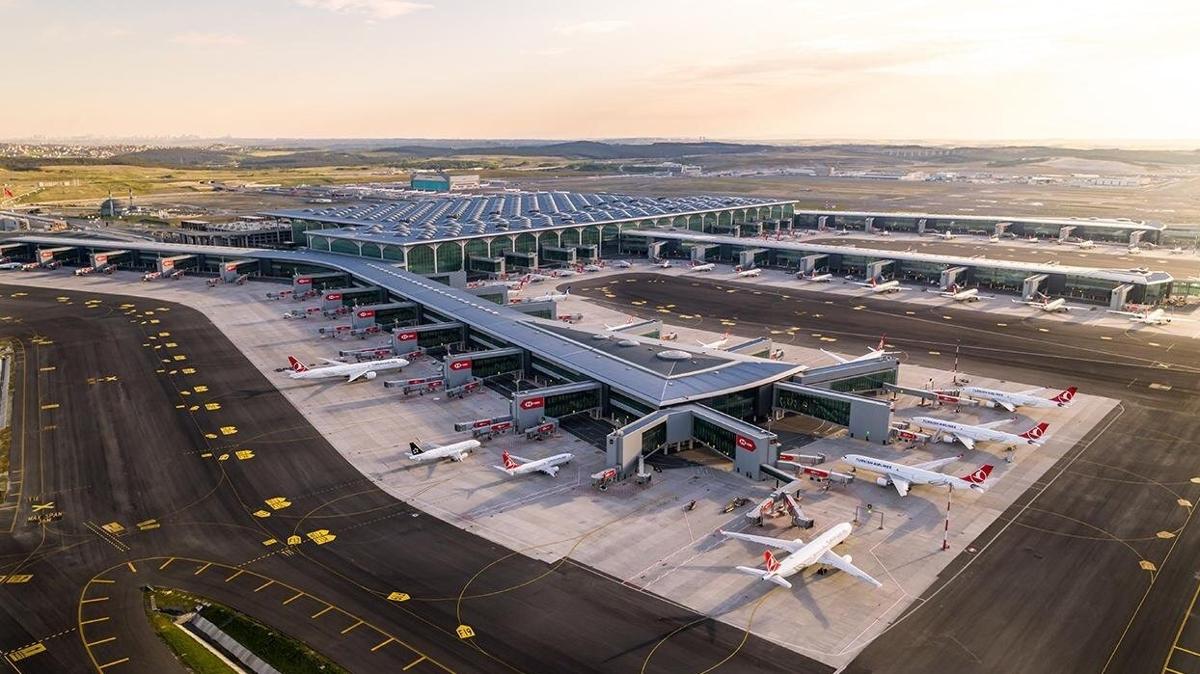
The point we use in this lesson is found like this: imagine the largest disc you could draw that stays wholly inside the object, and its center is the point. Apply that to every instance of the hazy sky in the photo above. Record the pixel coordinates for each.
(866, 69)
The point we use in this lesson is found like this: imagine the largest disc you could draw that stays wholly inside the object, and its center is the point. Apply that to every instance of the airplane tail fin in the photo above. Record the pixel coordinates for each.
(882, 343)
(296, 365)
(509, 464)
(980, 475)
(1063, 399)
(414, 449)
(769, 558)
(1034, 435)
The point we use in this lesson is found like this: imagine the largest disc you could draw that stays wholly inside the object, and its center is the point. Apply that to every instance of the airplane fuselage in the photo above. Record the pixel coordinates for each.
(350, 369)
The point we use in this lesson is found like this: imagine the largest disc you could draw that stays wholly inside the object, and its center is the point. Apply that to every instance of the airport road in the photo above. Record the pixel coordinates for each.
(1160, 259)
(1093, 569)
(174, 462)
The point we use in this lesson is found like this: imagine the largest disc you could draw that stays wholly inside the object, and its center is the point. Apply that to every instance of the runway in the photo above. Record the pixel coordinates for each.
(1094, 568)
(174, 462)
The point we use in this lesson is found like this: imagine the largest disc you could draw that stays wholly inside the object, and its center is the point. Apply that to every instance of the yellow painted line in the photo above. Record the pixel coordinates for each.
(132, 568)
(1171, 671)
(50, 406)
(293, 598)
(164, 564)
(103, 580)
(240, 572)
(322, 612)
(352, 627)
(114, 662)
(264, 585)
(414, 663)
(94, 599)
(381, 644)
(48, 368)
(102, 641)
(94, 620)
(1187, 650)
(201, 569)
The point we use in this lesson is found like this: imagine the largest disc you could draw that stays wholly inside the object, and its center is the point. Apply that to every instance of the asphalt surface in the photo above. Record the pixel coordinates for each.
(1097, 567)
(142, 416)
(1159, 259)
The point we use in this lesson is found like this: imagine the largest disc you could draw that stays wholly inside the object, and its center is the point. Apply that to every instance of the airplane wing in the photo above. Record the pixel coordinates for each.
(552, 471)
(520, 459)
(993, 424)
(835, 356)
(1006, 405)
(835, 560)
(781, 543)
(902, 485)
(358, 373)
(332, 361)
(969, 443)
(937, 463)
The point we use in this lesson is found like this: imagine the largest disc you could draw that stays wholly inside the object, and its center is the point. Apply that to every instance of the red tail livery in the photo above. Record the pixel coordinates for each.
(1035, 434)
(979, 475)
(297, 366)
(772, 563)
(1063, 399)
(508, 461)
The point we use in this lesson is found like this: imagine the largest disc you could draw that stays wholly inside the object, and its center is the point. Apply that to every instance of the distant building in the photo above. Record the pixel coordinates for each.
(443, 182)
(111, 208)
(251, 231)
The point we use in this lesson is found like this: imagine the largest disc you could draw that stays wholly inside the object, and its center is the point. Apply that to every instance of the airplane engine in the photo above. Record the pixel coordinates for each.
(947, 438)
(847, 558)
(883, 482)
(369, 376)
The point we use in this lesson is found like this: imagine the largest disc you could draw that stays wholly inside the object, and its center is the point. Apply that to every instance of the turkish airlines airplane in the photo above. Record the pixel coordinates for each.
(885, 287)
(903, 477)
(968, 435)
(962, 294)
(749, 273)
(548, 465)
(351, 371)
(816, 278)
(622, 264)
(1046, 304)
(455, 452)
(872, 353)
(946, 235)
(663, 264)
(704, 267)
(718, 344)
(802, 555)
(1156, 317)
(552, 295)
(1011, 401)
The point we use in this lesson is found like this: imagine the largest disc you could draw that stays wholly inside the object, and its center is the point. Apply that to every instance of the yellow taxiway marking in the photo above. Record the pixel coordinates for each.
(414, 663)
(50, 406)
(114, 662)
(1187, 650)
(293, 598)
(94, 620)
(166, 563)
(104, 581)
(114, 528)
(352, 627)
(322, 612)
(239, 572)
(93, 600)
(264, 585)
(132, 568)
(465, 632)
(381, 644)
(28, 651)
(102, 641)
(48, 368)
(202, 569)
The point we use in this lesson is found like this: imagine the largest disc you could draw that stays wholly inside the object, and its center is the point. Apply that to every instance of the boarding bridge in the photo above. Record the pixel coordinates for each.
(7, 250)
(319, 282)
(921, 222)
(390, 314)
(46, 255)
(762, 347)
(1135, 237)
(486, 265)
(560, 255)
(654, 249)
(878, 269)
(520, 261)
(102, 260)
(167, 265)
(1031, 286)
(1064, 232)
(752, 257)
(336, 298)
(823, 223)
(1001, 228)
(700, 252)
(531, 408)
(587, 253)
(429, 335)
(869, 225)
(749, 446)
(234, 270)
(750, 229)
(867, 418)
(1119, 297)
(809, 263)
(951, 276)
(459, 368)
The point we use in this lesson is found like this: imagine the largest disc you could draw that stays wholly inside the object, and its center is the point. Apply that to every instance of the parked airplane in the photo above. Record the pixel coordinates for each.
(1155, 317)
(946, 235)
(962, 294)
(718, 344)
(552, 295)
(749, 273)
(592, 267)
(1011, 401)
(151, 275)
(1046, 304)
(622, 264)
(802, 555)
(351, 371)
(968, 435)
(885, 287)
(548, 465)
(455, 452)
(663, 264)
(1086, 244)
(993, 239)
(11, 265)
(565, 272)
(902, 476)
(704, 267)
(618, 326)
(815, 277)
(872, 353)
(535, 278)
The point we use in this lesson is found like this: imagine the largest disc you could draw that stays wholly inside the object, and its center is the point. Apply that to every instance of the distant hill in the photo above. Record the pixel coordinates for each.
(589, 150)
(177, 157)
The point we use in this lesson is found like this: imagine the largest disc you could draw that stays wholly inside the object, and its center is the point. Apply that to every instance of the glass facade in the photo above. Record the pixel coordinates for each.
(625, 401)
(836, 411)
(449, 257)
(869, 382)
(501, 245)
(654, 438)
(567, 404)
(720, 439)
(920, 271)
(1097, 291)
(497, 365)
(999, 279)
(434, 338)
(420, 259)
(562, 375)
(344, 246)
(740, 405)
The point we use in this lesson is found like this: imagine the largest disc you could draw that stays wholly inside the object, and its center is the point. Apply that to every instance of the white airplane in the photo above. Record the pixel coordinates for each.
(535, 278)
(885, 287)
(749, 273)
(815, 277)
(455, 452)
(962, 294)
(704, 267)
(592, 267)
(552, 295)
(946, 235)
(802, 555)
(968, 435)
(872, 353)
(11, 265)
(1177, 250)
(903, 477)
(1046, 304)
(1086, 244)
(1011, 401)
(565, 272)
(622, 264)
(548, 465)
(663, 264)
(993, 239)
(1155, 317)
(351, 371)
(717, 344)
(618, 326)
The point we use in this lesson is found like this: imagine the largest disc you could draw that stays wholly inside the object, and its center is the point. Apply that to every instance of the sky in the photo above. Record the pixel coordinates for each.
(747, 69)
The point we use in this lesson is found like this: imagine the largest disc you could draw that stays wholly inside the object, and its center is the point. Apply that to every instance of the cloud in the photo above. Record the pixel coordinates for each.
(376, 9)
(197, 39)
(592, 27)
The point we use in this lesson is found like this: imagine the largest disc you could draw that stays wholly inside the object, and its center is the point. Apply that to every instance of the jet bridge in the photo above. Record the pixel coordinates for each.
(46, 255)
(390, 314)
(531, 408)
(878, 268)
(101, 260)
(1032, 285)
(752, 257)
(427, 336)
(461, 368)
(167, 265)
(865, 417)
(1064, 232)
(350, 297)
(951, 276)
(319, 282)
(809, 263)
(700, 252)
(686, 426)
(233, 270)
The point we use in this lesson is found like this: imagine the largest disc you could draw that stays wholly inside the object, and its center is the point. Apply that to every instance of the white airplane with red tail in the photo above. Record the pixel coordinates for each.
(1011, 401)
(548, 465)
(351, 371)
(872, 353)
(902, 477)
(968, 435)
(802, 555)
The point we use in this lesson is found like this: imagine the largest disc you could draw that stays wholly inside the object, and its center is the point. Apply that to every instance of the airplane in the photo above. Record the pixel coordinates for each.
(663, 264)
(946, 235)
(11, 265)
(1177, 250)
(535, 278)
(151, 275)
(1086, 244)
(749, 273)
(1155, 317)
(962, 295)
(455, 451)
(548, 465)
(872, 353)
(802, 555)
(718, 344)
(618, 326)
(993, 239)
(1046, 304)
(565, 272)
(1011, 401)
(622, 264)
(885, 287)
(552, 295)
(902, 476)
(592, 267)
(968, 435)
(815, 277)
(704, 267)
(83, 271)
(177, 274)
(352, 371)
